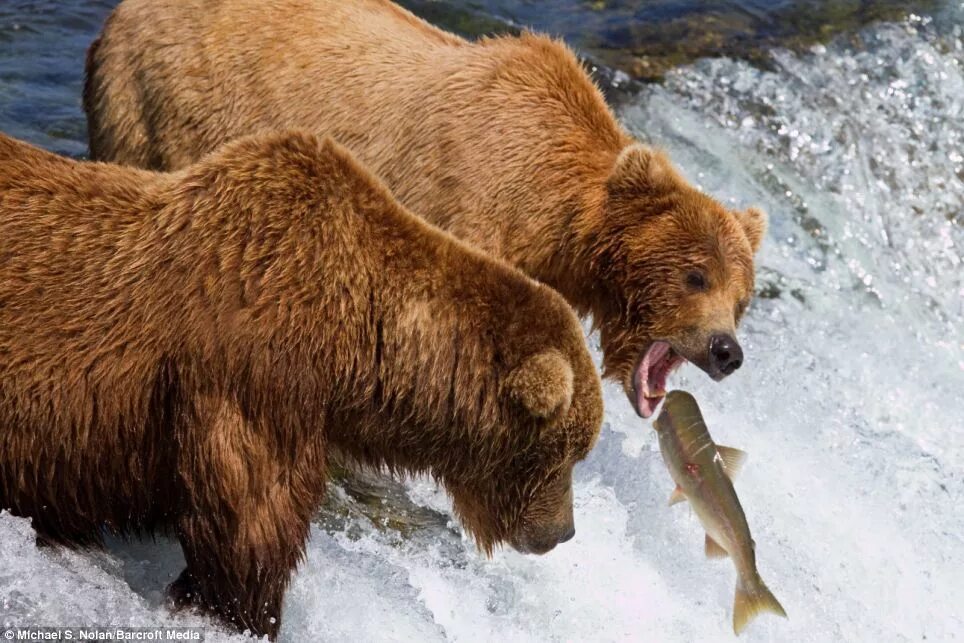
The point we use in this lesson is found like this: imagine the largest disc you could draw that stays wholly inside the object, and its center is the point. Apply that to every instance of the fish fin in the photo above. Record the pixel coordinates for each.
(732, 460)
(676, 496)
(750, 602)
(714, 549)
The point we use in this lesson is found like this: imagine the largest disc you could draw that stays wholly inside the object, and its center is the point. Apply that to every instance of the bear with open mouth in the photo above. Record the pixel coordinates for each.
(504, 142)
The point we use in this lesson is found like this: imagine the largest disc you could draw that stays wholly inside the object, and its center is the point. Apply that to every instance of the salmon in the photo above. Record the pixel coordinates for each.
(703, 473)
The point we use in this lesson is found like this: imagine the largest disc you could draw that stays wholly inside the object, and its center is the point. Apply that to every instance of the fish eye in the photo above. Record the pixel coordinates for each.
(696, 280)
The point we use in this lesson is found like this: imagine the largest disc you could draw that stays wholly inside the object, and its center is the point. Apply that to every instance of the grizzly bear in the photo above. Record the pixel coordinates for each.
(505, 142)
(182, 351)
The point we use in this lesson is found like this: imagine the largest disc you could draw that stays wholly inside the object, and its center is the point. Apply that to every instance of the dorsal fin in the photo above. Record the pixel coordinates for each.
(731, 459)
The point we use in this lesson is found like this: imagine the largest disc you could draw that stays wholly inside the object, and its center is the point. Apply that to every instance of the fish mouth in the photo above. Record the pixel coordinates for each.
(650, 375)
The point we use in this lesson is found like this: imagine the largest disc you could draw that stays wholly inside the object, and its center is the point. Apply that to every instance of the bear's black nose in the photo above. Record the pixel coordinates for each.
(725, 355)
(566, 537)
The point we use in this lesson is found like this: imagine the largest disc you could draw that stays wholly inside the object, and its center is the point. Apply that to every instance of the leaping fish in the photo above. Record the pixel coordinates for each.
(702, 471)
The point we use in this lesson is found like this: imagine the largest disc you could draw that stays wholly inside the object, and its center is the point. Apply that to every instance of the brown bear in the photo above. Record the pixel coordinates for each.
(505, 142)
(275, 281)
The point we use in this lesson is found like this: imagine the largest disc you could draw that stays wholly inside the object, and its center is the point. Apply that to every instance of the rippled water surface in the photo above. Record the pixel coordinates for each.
(647, 37)
(42, 46)
(851, 404)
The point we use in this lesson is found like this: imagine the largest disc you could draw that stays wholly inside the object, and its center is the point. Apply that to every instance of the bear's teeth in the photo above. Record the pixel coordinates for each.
(657, 394)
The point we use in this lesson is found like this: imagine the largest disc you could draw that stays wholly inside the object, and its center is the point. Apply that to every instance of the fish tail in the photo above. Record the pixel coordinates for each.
(752, 598)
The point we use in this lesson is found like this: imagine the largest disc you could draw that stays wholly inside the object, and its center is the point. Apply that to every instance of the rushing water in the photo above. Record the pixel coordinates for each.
(647, 37)
(851, 404)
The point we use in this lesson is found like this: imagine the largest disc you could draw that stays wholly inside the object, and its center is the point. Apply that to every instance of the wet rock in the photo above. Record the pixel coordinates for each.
(358, 497)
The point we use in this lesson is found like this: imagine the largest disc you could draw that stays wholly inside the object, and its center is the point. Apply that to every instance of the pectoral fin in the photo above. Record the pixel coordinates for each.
(676, 496)
(713, 549)
(732, 460)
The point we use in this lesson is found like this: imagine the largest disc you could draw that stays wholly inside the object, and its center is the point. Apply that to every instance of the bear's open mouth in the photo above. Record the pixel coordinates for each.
(649, 377)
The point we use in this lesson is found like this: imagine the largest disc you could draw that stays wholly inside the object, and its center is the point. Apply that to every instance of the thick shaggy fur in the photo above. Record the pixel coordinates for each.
(182, 351)
(505, 142)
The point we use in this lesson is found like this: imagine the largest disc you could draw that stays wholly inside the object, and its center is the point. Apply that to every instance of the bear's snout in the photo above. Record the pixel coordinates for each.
(549, 519)
(566, 537)
(545, 540)
(725, 355)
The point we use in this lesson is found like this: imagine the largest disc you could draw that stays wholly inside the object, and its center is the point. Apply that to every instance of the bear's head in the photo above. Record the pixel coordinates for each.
(675, 273)
(551, 413)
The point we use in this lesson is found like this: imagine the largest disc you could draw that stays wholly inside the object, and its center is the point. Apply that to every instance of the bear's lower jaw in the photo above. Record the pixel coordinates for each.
(652, 370)
(537, 548)
(646, 406)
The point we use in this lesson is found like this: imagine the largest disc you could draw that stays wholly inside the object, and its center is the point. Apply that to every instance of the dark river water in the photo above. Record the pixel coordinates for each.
(646, 37)
(43, 42)
(42, 48)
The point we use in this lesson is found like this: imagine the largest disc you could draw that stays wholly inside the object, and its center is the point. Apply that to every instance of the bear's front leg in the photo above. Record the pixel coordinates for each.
(238, 581)
(245, 521)
(183, 592)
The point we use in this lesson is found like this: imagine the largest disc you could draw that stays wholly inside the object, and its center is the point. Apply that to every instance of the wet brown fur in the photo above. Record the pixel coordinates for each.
(182, 351)
(505, 142)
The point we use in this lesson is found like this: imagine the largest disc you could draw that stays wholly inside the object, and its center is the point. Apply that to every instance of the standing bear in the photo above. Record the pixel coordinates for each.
(505, 142)
(276, 281)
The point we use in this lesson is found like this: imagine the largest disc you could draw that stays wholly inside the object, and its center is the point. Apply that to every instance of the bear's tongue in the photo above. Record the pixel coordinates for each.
(650, 377)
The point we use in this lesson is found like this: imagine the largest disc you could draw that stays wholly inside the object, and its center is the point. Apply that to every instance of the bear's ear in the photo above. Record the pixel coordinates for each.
(754, 224)
(639, 169)
(542, 383)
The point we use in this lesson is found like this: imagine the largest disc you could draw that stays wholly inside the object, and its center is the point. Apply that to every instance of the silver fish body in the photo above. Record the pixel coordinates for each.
(703, 474)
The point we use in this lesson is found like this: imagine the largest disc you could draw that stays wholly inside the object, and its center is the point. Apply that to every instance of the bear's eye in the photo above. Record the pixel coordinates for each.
(696, 280)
